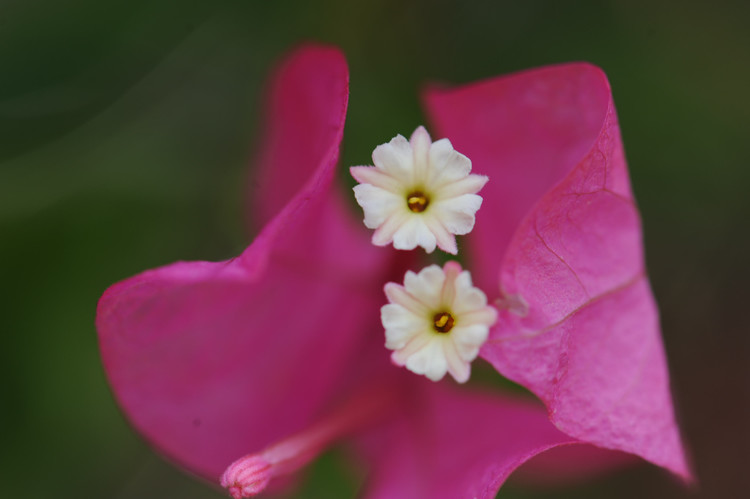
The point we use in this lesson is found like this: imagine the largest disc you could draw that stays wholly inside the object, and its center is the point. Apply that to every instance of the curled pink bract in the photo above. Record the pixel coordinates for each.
(270, 353)
(568, 242)
(211, 360)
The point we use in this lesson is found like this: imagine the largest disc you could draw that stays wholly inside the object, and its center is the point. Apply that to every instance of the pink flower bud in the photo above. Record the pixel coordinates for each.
(246, 476)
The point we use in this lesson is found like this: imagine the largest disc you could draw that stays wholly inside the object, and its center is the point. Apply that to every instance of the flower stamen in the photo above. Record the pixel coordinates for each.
(417, 202)
(443, 322)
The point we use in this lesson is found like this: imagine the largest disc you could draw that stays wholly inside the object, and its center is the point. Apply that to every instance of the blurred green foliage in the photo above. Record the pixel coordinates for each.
(126, 132)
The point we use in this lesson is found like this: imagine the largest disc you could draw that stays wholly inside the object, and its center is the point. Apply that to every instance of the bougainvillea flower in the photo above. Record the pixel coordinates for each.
(278, 353)
(419, 193)
(436, 322)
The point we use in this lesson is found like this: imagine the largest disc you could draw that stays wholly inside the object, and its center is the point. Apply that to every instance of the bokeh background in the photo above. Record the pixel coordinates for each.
(126, 132)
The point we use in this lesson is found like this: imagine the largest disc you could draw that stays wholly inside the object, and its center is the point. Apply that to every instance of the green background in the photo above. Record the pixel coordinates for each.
(126, 129)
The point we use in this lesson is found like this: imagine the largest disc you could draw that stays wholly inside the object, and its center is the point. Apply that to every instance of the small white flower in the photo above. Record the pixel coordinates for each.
(419, 193)
(436, 322)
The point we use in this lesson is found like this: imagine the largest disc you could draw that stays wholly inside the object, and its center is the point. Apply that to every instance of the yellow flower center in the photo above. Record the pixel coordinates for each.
(417, 201)
(443, 322)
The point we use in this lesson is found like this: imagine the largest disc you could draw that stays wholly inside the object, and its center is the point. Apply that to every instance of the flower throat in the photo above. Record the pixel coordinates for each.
(417, 202)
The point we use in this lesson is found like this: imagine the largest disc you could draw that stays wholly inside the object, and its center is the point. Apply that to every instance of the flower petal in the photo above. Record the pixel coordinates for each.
(445, 240)
(589, 344)
(205, 358)
(601, 371)
(395, 159)
(417, 343)
(401, 325)
(451, 444)
(420, 143)
(302, 122)
(378, 204)
(448, 164)
(467, 185)
(468, 338)
(412, 233)
(457, 214)
(427, 285)
(458, 367)
(429, 360)
(398, 294)
(525, 131)
(376, 177)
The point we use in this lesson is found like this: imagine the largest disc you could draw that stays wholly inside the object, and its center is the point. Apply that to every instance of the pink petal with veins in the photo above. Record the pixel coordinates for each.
(526, 132)
(568, 243)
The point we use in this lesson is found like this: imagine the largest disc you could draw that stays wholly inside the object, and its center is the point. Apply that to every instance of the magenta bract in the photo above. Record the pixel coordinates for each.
(568, 242)
(213, 361)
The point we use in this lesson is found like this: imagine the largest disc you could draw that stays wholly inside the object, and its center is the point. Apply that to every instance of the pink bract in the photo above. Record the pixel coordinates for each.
(212, 361)
(587, 340)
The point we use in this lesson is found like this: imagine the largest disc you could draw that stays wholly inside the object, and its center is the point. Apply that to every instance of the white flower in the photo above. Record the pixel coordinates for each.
(436, 322)
(419, 193)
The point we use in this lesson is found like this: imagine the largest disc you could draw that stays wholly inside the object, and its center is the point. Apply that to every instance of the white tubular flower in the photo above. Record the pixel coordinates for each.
(419, 193)
(436, 322)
